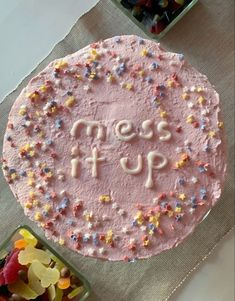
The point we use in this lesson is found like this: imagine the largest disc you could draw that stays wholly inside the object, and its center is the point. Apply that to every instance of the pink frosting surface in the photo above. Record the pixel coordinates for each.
(113, 215)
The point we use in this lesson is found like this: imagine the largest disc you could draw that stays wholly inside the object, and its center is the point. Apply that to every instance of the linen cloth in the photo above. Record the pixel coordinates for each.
(206, 37)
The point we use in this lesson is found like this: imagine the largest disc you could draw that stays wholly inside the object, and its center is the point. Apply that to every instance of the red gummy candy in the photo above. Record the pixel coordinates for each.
(159, 27)
(2, 280)
(9, 272)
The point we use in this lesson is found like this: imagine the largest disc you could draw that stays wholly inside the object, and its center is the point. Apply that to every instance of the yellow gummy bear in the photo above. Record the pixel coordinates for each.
(46, 275)
(29, 254)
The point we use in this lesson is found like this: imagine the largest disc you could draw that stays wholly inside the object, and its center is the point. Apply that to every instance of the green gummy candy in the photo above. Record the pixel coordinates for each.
(58, 264)
(75, 292)
(34, 282)
(51, 292)
(59, 294)
(47, 276)
(22, 289)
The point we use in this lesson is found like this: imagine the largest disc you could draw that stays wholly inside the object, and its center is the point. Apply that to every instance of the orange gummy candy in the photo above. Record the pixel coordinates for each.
(63, 283)
(20, 244)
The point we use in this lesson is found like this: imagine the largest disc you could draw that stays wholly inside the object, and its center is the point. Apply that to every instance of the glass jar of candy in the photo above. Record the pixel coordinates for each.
(155, 17)
(31, 270)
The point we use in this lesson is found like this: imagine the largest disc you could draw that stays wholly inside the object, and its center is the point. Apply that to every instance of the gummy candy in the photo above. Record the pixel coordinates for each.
(64, 272)
(9, 272)
(22, 289)
(58, 264)
(75, 292)
(64, 283)
(51, 292)
(31, 272)
(29, 254)
(34, 282)
(59, 294)
(47, 276)
(28, 237)
(20, 244)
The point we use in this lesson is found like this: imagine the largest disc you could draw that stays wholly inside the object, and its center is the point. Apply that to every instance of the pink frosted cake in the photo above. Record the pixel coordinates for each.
(116, 151)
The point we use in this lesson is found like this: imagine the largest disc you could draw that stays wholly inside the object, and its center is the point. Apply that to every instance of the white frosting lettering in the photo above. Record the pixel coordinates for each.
(146, 126)
(151, 157)
(74, 151)
(74, 167)
(90, 126)
(94, 160)
(133, 171)
(161, 127)
(123, 130)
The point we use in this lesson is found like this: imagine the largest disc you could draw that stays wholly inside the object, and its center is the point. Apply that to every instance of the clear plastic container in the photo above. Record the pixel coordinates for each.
(157, 37)
(8, 245)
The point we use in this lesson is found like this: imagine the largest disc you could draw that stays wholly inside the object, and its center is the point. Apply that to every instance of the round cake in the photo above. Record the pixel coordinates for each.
(117, 150)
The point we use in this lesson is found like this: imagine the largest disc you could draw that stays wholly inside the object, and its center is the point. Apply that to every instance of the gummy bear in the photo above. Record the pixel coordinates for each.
(46, 275)
(29, 254)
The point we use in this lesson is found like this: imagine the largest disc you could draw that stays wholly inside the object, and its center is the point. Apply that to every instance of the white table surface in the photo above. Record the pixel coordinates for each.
(28, 31)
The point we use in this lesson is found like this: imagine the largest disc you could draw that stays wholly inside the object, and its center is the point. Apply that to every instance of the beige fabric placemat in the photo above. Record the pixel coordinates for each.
(205, 36)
